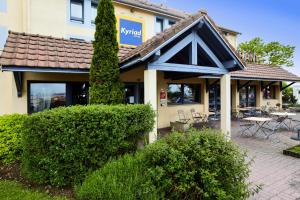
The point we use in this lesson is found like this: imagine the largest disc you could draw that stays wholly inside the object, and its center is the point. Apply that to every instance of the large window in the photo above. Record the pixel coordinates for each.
(76, 10)
(44, 96)
(134, 93)
(94, 10)
(183, 93)
(270, 92)
(248, 96)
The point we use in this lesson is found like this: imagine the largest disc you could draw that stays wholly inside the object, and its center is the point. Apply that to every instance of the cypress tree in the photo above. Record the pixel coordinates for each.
(105, 84)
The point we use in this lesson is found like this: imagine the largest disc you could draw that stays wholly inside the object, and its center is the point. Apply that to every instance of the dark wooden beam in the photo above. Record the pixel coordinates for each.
(19, 82)
(265, 86)
(229, 64)
(244, 85)
(179, 76)
(283, 88)
(209, 86)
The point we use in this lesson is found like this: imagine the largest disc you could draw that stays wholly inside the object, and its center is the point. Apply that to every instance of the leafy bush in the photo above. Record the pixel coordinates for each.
(11, 127)
(62, 145)
(120, 179)
(196, 165)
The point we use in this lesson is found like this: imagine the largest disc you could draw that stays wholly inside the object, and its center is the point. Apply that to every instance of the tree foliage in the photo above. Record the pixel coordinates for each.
(106, 87)
(272, 53)
(287, 95)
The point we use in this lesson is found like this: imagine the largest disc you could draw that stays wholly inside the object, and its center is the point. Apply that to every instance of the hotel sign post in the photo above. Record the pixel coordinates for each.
(131, 32)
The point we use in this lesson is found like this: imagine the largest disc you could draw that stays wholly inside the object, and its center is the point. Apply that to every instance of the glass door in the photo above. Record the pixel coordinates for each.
(214, 98)
(248, 96)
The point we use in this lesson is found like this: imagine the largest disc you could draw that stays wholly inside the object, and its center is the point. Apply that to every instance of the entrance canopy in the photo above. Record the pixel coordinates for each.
(193, 45)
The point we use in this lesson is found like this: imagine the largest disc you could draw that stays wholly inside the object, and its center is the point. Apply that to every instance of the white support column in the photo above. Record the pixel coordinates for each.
(225, 105)
(150, 88)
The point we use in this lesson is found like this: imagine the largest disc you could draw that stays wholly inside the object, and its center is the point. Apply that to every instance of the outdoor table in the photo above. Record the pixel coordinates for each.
(260, 122)
(283, 116)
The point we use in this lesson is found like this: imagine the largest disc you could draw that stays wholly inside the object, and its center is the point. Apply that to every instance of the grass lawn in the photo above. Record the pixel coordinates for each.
(11, 190)
(295, 149)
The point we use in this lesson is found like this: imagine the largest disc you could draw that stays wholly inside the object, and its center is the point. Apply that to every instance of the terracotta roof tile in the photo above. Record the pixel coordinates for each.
(31, 50)
(258, 71)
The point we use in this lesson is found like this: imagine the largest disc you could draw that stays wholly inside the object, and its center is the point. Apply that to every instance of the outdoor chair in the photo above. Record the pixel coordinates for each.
(182, 118)
(199, 119)
(276, 124)
(264, 112)
(245, 126)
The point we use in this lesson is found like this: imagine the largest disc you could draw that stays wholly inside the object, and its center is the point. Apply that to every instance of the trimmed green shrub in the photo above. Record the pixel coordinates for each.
(196, 165)
(106, 87)
(11, 127)
(119, 179)
(62, 145)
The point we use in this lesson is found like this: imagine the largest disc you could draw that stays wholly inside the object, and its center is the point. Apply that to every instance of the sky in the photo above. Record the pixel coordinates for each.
(272, 20)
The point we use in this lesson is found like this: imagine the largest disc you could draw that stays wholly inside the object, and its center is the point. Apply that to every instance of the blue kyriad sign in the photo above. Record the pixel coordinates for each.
(131, 32)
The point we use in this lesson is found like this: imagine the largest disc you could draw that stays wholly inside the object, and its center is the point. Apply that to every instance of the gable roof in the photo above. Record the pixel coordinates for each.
(31, 50)
(264, 72)
(142, 52)
(36, 51)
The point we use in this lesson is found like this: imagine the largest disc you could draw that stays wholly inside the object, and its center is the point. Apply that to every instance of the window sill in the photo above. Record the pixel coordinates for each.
(77, 21)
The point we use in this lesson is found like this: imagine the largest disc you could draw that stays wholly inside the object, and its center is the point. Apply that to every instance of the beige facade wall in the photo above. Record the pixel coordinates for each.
(167, 114)
(232, 39)
(11, 103)
(52, 18)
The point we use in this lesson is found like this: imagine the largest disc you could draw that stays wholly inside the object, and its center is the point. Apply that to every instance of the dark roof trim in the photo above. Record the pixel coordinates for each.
(225, 45)
(44, 70)
(216, 33)
(262, 79)
(137, 60)
(229, 30)
(154, 9)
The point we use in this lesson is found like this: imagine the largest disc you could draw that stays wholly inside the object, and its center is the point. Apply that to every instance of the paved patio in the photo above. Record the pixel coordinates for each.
(278, 174)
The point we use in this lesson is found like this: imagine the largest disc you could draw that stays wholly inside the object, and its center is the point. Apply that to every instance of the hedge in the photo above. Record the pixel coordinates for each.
(11, 127)
(196, 165)
(62, 145)
(122, 179)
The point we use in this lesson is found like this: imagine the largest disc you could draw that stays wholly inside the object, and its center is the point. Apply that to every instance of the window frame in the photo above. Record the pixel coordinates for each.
(94, 3)
(247, 91)
(182, 85)
(29, 82)
(162, 24)
(76, 19)
(271, 87)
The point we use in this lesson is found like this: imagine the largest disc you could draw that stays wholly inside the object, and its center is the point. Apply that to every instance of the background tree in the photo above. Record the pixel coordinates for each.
(288, 96)
(106, 87)
(272, 53)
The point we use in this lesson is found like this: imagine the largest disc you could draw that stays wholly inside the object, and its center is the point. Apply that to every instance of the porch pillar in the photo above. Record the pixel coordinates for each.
(225, 105)
(150, 96)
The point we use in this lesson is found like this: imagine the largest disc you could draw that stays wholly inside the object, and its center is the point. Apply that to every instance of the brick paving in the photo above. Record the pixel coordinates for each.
(279, 175)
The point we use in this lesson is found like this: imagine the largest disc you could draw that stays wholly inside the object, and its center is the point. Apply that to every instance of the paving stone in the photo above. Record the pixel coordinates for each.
(279, 174)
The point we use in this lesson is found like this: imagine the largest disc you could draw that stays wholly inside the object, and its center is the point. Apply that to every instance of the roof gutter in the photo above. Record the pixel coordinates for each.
(160, 12)
(44, 70)
(261, 79)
